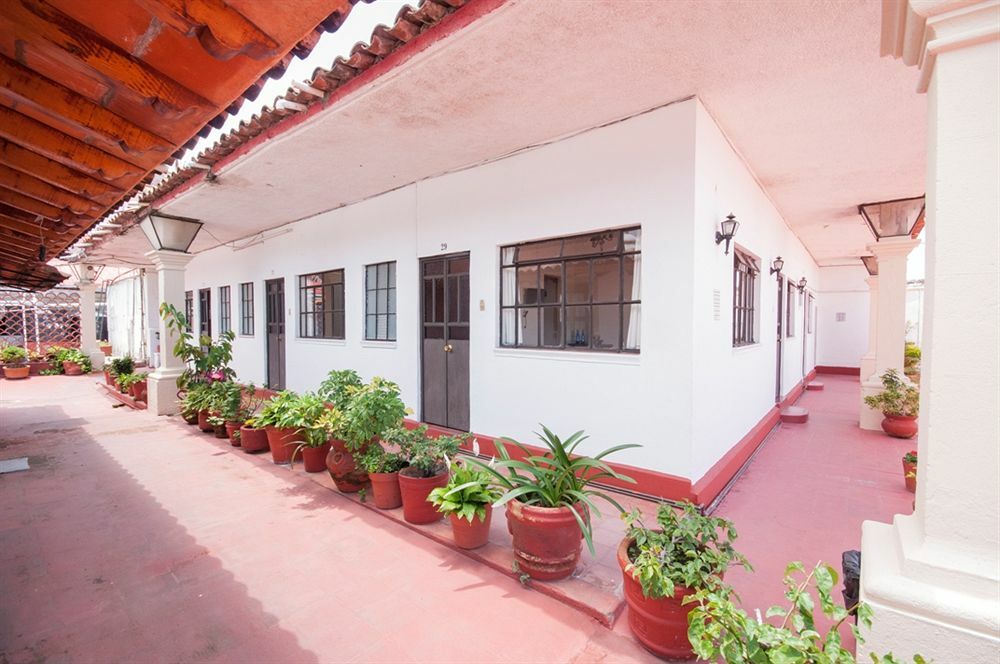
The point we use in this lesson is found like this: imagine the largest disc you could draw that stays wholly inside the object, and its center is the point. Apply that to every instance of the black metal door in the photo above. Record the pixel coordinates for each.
(275, 311)
(205, 312)
(781, 336)
(445, 338)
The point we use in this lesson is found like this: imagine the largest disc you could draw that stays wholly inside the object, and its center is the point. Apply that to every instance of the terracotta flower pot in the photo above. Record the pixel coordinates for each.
(203, 422)
(283, 442)
(343, 469)
(385, 490)
(660, 625)
(12, 372)
(231, 429)
(139, 391)
(547, 540)
(415, 490)
(108, 379)
(220, 430)
(72, 368)
(35, 367)
(474, 534)
(253, 440)
(900, 426)
(190, 418)
(314, 458)
(106, 350)
(911, 483)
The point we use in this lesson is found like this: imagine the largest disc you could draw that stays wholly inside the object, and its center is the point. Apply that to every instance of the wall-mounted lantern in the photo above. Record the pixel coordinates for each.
(729, 227)
(871, 264)
(801, 285)
(896, 218)
(166, 231)
(776, 265)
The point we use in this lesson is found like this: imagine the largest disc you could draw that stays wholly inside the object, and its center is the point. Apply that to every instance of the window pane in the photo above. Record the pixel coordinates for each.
(370, 327)
(632, 274)
(527, 285)
(381, 327)
(383, 275)
(552, 329)
(392, 274)
(578, 282)
(392, 300)
(508, 327)
(433, 332)
(433, 268)
(458, 332)
(607, 280)
(381, 301)
(507, 255)
(633, 240)
(370, 302)
(595, 243)
(632, 325)
(604, 325)
(439, 300)
(551, 275)
(527, 327)
(458, 266)
(371, 277)
(578, 327)
(392, 327)
(539, 250)
(508, 286)
(428, 300)
(453, 291)
(338, 324)
(463, 298)
(338, 297)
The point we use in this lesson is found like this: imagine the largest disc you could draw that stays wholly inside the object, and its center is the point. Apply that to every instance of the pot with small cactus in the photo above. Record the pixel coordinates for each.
(467, 500)
(899, 403)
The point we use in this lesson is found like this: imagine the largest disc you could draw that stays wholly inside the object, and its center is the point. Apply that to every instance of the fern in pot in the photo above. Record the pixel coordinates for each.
(427, 470)
(550, 499)
(686, 552)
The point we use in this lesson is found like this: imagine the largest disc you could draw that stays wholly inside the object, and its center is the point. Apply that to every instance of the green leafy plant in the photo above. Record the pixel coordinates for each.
(339, 387)
(427, 456)
(78, 357)
(377, 459)
(719, 630)
(122, 365)
(52, 353)
(688, 549)
(306, 413)
(371, 411)
(13, 355)
(128, 380)
(556, 478)
(896, 398)
(469, 493)
(910, 457)
(207, 360)
(911, 358)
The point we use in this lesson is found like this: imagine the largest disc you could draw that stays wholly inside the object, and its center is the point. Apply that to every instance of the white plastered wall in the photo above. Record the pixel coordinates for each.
(844, 292)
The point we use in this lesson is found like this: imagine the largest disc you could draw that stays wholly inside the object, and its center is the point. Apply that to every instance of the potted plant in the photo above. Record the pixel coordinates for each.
(549, 499)
(236, 403)
(139, 386)
(252, 438)
(687, 552)
(339, 386)
(75, 362)
(323, 423)
(218, 425)
(53, 355)
(15, 362)
(105, 347)
(910, 470)
(129, 384)
(285, 423)
(467, 500)
(369, 411)
(117, 367)
(382, 467)
(427, 469)
(911, 361)
(720, 631)
(37, 363)
(899, 403)
(190, 400)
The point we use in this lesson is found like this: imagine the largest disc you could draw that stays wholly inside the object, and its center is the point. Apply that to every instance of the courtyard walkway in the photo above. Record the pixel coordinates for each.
(136, 539)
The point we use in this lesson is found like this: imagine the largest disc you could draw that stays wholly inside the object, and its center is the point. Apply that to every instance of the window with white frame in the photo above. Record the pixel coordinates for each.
(746, 277)
(380, 301)
(578, 293)
(246, 308)
(225, 310)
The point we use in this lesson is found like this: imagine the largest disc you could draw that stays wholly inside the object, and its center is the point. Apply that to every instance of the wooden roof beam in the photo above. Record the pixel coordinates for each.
(222, 31)
(58, 175)
(11, 217)
(52, 143)
(36, 207)
(20, 86)
(43, 191)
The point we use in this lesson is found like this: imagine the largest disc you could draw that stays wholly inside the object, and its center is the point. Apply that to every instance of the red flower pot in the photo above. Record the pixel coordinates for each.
(314, 458)
(203, 424)
(190, 418)
(253, 440)
(283, 442)
(35, 367)
(385, 490)
(231, 429)
(139, 391)
(547, 540)
(343, 469)
(911, 483)
(106, 350)
(900, 426)
(474, 534)
(415, 490)
(16, 372)
(108, 379)
(72, 368)
(660, 625)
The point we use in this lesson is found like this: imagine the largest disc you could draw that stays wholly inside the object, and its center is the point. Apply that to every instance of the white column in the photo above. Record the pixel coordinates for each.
(933, 578)
(890, 320)
(151, 320)
(162, 383)
(868, 359)
(88, 322)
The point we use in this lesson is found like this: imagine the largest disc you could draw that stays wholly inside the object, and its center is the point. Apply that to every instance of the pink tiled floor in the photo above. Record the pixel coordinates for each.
(137, 539)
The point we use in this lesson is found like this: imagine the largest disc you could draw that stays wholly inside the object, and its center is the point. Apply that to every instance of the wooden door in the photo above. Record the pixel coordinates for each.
(275, 326)
(445, 341)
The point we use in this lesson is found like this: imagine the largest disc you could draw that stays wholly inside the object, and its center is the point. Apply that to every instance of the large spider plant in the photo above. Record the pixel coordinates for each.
(555, 478)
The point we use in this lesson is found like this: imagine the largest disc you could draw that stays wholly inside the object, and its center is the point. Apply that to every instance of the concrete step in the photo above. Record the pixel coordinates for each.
(815, 385)
(794, 415)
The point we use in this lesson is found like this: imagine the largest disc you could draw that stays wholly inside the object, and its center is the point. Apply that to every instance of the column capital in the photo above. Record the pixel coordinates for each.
(918, 30)
(892, 246)
(872, 281)
(165, 259)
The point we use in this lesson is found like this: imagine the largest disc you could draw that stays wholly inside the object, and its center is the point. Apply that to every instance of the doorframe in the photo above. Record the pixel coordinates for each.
(420, 322)
(267, 333)
(781, 339)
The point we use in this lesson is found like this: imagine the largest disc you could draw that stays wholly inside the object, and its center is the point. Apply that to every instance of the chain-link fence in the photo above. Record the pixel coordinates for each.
(48, 318)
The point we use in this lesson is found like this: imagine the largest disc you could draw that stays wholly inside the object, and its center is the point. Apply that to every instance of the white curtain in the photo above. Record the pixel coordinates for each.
(126, 320)
(633, 330)
(510, 332)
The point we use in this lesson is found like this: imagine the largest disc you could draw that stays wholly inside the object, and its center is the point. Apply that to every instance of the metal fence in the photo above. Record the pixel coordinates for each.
(48, 318)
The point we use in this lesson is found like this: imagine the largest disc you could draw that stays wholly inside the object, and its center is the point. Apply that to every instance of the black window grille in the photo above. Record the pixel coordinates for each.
(380, 302)
(746, 271)
(321, 305)
(246, 309)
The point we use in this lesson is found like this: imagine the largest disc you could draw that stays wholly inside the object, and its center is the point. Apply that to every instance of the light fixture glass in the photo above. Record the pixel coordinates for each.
(871, 264)
(166, 231)
(802, 284)
(776, 265)
(729, 227)
(895, 218)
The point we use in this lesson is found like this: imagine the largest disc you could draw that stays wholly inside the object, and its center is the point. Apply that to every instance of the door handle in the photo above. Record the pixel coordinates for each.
(448, 348)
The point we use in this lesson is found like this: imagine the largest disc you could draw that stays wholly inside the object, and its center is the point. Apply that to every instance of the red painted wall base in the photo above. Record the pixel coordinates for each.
(842, 371)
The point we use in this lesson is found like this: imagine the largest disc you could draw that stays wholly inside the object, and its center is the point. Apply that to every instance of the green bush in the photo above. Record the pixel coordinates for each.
(13, 355)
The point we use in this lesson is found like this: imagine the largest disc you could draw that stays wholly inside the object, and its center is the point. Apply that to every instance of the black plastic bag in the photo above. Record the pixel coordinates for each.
(850, 562)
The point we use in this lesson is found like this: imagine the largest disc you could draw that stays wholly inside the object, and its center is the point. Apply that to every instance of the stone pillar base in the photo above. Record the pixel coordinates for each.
(97, 357)
(867, 417)
(922, 603)
(867, 364)
(162, 391)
